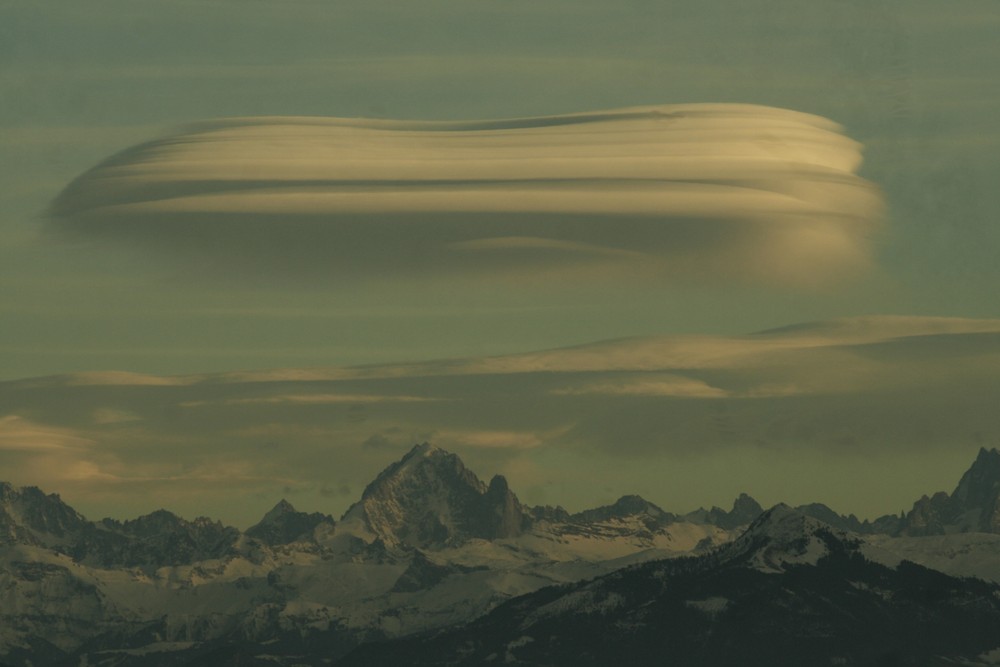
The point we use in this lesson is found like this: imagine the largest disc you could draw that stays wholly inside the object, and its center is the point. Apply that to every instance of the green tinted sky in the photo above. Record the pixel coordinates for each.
(916, 82)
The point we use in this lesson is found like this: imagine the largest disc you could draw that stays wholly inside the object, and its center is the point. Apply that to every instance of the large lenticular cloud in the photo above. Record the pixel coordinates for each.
(690, 192)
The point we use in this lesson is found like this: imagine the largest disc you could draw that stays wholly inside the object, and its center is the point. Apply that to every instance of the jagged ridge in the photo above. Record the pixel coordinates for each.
(430, 499)
(974, 505)
(283, 524)
(791, 591)
(425, 502)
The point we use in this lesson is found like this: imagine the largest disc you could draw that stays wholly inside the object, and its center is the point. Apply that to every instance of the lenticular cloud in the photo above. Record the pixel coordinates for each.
(689, 192)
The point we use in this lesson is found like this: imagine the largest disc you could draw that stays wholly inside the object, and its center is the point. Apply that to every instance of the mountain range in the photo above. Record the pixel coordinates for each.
(790, 591)
(433, 566)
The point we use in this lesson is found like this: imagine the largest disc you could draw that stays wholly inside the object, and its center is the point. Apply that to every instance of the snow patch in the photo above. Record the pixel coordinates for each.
(711, 606)
(958, 555)
(155, 647)
(988, 659)
(578, 602)
(509, 656)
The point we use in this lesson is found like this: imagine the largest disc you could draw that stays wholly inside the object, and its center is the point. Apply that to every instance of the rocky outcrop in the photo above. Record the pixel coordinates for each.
(29, 516)
(154, 540)
(430, 499)
(974, 505)
(283, 524)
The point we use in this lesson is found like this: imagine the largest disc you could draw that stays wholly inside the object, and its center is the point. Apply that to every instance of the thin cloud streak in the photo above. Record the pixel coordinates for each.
(647, 407)
(310, 399)
(681, 353)
(675, 386)
(18, 434)
(700, 192)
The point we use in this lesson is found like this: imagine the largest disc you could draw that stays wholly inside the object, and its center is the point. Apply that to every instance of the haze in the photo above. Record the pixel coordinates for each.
(515, 183)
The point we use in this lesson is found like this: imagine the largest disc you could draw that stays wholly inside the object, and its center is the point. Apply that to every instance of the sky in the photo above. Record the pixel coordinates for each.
(823, 169)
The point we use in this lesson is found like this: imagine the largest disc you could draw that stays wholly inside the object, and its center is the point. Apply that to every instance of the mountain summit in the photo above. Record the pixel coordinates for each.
(283, 524)
(429, 498)
(783, 537)
(29, 516)
(979, 488)
(974, 505)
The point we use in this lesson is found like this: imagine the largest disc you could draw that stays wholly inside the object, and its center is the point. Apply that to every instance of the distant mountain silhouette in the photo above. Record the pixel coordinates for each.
(429, 546)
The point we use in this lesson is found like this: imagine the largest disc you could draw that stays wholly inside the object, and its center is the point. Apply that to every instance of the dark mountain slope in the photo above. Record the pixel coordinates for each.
(792, 591)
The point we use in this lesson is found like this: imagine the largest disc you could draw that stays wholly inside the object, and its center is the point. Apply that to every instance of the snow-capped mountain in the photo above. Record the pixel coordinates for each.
(790, 591)
(781, 538)
(429, 546)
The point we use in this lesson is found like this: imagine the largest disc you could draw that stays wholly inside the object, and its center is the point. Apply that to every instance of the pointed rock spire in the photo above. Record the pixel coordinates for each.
(745, 509)
(429, 498)
(283, 524)
(974, 505)
(981, 482)
(503, 514)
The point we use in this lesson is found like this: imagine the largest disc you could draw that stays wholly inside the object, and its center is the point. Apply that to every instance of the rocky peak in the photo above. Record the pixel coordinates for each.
(779, 522)
(745, 509)
(429, 498)
(157, 521)
(980, 484)
(29, 515)
(155, 539)
(849, 522)
(283, 507)
(930, 515)
(782, 536)
(626, 506)
(631, 505)
(503, 514)
(974, 505)
(424, 464)
(283, 524)
(498, 486)
(424, 450)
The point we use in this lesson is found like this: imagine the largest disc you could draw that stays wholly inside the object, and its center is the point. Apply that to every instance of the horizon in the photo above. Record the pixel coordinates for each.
(339, 517)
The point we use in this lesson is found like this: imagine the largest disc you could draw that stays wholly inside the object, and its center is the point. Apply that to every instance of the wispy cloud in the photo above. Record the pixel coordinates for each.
(845, 389)
(24, 435)
(113, 416)
(675, 386)
(122, 378)
(311, 399)
(500, 440)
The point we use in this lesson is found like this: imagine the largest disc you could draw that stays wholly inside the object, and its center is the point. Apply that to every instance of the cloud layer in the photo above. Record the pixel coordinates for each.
(646, 415)
(693, 192)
